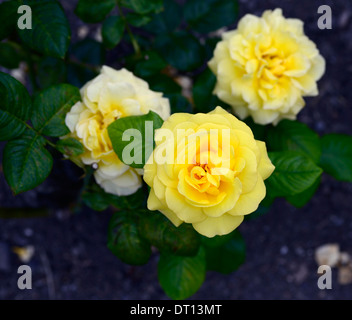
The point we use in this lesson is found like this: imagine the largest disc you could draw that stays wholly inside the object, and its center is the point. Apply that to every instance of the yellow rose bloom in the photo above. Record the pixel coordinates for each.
(213, 174)
(266, 66)
(111, 95)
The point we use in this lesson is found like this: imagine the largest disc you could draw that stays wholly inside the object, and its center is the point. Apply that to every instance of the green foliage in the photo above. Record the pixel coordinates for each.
(225, 254)
(8, 17)
(259, 131)
(180, 50)
(151, 65)
(167, 21)
(50, 71)
(15, 107)
(261, 211)
(112, 31)
(209, 15)
(163, 83)
(179, 103)
(50, 108)
(137, 20)
(161, 233)
(301, 199)
(97, 199)
(124, 239)
(143, 6)
(87, 56)
(70, 147)
(181, 277)
(93, 11)
(294, 136)
(50, 33)
(204, 99)
(294, 173)
(210, 45)
(143, 140)
(10, 55)
(26, 162)
(336, 157)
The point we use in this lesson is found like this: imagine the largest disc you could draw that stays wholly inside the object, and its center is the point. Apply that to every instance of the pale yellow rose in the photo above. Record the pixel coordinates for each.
(266, 66)
(214, 171)
(111, 95)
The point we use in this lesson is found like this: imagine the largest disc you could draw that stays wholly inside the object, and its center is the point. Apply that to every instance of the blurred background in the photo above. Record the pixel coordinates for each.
(67, 252)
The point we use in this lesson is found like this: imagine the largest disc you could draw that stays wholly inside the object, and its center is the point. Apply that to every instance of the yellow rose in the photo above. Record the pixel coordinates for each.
(208, 171)
(111, 95)
(266, 66)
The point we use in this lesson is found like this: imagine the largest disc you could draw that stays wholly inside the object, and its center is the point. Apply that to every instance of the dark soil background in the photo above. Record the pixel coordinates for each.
(71, 260)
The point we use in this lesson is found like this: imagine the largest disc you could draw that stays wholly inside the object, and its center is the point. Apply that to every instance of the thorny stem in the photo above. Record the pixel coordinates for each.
(83, 65)
(87, 177)
(39, 134)
(134, 41)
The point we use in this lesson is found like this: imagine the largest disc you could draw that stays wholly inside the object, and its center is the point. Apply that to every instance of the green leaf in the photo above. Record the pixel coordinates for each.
(203, 88)
(15, 107)
(70, 147)
(180, 50)
(301, 199)
(261, 211)
(50, 109)
(93, 11)
(88, 51)
(163, 83)
(26, 162)
(51, 71)
(124, 239)
(228, 256)
(259, 131)
(210, 45)
(293, 174)
(131, 202)
(166, 21)
(294, 136)
(137, 20)
(95, 201)
(8, 18)
(112, 31)
(161, 233)
(151, 65)
(208, 15)
(87, 56)
(179, 103)
(137, 152)
(143, 6)
(10, 55)
(336, 158)
(216, 241)
(50, 33)
(181, 277)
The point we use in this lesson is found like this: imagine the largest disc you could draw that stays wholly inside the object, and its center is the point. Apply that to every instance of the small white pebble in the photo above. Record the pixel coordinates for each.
(83, 32)
(328, 254)
(283, 250)
(344, 258)
(28, 232)
(97, 35)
